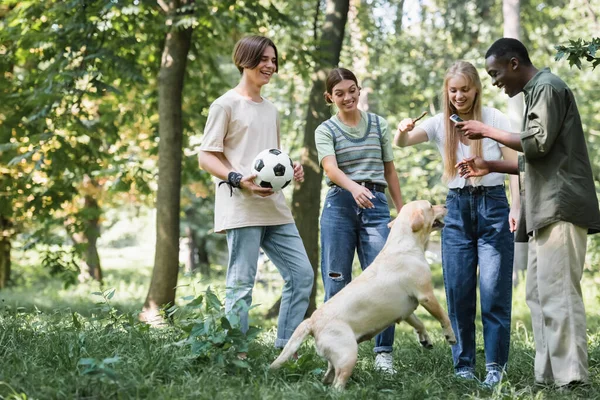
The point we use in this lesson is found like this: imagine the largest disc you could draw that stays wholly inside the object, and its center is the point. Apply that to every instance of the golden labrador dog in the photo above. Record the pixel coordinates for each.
(389, 291)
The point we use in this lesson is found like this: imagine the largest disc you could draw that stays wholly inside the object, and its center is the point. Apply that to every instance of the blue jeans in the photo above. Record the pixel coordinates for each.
(283, 245)
(346, 228)
(477, 233)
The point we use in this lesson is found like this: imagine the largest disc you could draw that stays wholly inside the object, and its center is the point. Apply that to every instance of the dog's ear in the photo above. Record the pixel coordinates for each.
(391, 223)
(417, 220)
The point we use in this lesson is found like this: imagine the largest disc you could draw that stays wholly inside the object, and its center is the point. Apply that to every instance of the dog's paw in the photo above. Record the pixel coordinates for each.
(424, 339)
(449, 335)
(451, 339)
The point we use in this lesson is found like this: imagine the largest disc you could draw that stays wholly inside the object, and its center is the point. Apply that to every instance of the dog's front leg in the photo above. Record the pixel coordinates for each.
(430, 303)
(420, 330)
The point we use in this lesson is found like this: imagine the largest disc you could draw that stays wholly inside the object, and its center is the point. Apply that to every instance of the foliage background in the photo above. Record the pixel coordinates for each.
(78, 144)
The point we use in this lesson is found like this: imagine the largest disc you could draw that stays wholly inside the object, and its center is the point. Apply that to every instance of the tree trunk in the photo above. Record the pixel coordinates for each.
(512, 28)
(92, 233)
(86, 239)
(5, 248)
(399, 15)
(170, 90)
(203, 261)
(306, 199)
(190, 261)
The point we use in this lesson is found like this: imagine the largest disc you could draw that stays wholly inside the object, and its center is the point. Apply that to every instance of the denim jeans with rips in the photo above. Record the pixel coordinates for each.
(477, 233)
(346, 229)
(284, 247)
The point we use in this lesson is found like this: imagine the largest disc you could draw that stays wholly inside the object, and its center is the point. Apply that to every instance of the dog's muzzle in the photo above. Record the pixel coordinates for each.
(438, 224)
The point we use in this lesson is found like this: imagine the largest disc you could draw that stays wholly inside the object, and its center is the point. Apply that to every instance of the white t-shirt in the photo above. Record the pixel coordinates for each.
(241, 128)
(434, 127)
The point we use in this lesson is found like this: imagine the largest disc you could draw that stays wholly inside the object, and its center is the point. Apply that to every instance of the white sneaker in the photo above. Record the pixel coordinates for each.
(384, 362)
(492, 379)
(465, 374)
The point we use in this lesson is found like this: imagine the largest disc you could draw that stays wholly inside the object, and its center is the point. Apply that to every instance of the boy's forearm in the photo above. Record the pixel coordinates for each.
(509, 139)
(504, 166)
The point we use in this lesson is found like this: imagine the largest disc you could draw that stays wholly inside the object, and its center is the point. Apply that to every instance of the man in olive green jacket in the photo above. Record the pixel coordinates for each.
(561, 206)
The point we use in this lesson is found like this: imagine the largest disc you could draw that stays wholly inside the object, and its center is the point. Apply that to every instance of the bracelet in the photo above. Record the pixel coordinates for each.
(233, 181)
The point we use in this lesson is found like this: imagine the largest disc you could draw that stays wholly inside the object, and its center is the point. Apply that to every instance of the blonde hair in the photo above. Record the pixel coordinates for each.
(467, 71)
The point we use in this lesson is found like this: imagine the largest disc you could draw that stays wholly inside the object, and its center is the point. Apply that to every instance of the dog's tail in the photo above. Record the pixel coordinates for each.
(301, 332)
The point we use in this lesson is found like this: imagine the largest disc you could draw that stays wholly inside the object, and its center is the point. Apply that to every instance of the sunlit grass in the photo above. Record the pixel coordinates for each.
(41, 347)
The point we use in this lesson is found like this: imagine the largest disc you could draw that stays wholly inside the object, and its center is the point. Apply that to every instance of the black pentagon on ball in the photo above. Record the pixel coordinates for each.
(279, 169)
(259, 165)
(275, 151)
(287, 183)
(266, 185)
(291, 163)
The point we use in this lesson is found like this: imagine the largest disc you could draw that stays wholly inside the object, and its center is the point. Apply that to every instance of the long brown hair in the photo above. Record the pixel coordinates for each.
(334, 77)
(467, 71)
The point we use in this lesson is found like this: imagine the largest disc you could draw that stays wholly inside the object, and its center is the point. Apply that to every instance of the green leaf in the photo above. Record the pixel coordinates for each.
(76, 322)
(252, 332)
(200, 348)
(110, 293)
(212, 300)
(234, 319)
(111, 373)
(240, 363)
(17, 160)
(225, 323)
(87, 361)
(197, 330)
(8, 146)
(196, 302)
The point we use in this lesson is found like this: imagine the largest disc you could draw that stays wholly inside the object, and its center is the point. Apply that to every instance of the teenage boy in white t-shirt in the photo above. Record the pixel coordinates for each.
(240, 124)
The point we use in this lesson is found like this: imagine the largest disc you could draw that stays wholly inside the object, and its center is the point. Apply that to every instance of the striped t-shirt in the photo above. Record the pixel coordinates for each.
(360, 151)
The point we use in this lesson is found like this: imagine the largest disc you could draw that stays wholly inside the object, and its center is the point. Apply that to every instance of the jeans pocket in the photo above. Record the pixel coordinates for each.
(497, 195)
(451, 196)
(334, 190)
(381, 197)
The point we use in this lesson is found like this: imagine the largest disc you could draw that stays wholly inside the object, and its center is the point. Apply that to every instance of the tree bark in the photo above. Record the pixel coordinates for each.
(190, 262)
(203, 260)
(5, 250)
(91, 234)
(515, 109)
(306, 198)
(512, 28)
(170, 90)
(399, 15)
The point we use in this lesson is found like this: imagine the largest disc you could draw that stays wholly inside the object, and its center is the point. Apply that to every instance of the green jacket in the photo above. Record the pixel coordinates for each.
(555, 165)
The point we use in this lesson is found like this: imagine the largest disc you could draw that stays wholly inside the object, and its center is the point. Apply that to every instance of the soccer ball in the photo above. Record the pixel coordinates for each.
(273, 168)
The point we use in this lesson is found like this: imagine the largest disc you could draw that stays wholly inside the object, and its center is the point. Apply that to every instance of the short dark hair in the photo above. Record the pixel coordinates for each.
(248, 52)
(507, 48)
(335, 76)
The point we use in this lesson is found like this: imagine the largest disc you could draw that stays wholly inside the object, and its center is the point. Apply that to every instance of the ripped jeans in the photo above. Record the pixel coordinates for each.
(346, 229)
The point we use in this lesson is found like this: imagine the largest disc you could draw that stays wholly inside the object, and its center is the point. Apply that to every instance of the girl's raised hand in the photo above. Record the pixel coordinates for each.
(406, 125)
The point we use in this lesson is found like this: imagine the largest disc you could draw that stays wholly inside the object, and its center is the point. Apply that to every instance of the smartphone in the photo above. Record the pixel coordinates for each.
(455, 118)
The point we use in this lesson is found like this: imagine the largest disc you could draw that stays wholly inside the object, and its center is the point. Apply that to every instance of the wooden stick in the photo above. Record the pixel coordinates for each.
(421, 116)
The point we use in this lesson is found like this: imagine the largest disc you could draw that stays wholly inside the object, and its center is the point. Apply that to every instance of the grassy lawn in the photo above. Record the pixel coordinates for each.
(58, 343)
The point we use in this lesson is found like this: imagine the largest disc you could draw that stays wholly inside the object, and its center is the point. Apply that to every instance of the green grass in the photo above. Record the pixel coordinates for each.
(47, 354)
